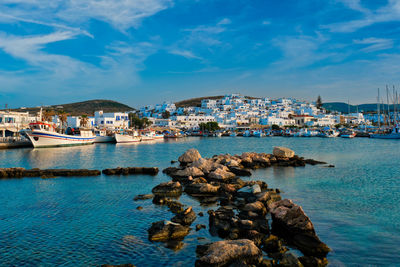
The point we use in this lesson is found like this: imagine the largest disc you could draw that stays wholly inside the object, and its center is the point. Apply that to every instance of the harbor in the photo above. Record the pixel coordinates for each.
(356, 227)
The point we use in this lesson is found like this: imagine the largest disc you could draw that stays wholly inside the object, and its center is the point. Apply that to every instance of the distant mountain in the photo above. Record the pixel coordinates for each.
(196, 102)
(344, 107)
(83, 108)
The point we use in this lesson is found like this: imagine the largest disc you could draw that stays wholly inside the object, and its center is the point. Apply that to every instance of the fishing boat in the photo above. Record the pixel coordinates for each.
(247, 133)
(348, 134)
(127, 136)
(233, 134)
(393, 134)
(329, 133)
(44, 134)
(102, 136)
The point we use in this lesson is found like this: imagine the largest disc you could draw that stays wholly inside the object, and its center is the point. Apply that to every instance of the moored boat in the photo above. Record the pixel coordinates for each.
(103, 137)
(43, 134)
(394, 134)
(127, 137)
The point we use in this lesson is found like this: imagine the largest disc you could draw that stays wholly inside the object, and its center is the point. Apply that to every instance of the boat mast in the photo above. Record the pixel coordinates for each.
(379, 112)
(388, 109)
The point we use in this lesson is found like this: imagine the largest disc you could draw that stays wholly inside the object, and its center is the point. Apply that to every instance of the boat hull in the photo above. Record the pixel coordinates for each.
(385, 136)
(121, 138)
(51, 139)
(104, 139)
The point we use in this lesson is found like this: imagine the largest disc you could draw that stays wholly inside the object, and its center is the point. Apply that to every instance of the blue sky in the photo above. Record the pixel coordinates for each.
(147, 51)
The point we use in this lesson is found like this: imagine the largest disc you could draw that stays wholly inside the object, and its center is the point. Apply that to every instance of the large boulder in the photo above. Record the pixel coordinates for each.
(221, 174)
(201, 189)
(187, 217)
(206, 165)
(290, 221)
(170, 189)
(283, 152)
(164, 231)
(189, 156)
(223, 253)
(188, 171)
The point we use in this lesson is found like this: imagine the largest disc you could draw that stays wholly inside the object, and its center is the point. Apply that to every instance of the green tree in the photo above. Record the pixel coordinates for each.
(210, 126)
(275, 127)
(318, 104)
(139, 123)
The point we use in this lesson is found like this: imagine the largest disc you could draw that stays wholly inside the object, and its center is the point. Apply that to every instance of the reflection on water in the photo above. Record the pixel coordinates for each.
(92, 221)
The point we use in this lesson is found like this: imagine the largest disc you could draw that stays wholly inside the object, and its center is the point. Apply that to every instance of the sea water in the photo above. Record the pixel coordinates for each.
(89, 221)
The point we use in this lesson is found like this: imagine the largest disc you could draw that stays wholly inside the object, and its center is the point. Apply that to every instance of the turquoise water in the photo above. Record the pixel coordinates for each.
(92, 221)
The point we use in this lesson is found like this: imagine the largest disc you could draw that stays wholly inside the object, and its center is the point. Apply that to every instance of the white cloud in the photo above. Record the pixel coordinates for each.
(266, 22)
(184, 53)
(374, 44)
(121, 14)
(224, 21)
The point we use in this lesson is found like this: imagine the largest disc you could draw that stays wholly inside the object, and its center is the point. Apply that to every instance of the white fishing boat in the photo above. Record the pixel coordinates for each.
(127, 137)
(43, 134)
(103, 137)
(329, 133)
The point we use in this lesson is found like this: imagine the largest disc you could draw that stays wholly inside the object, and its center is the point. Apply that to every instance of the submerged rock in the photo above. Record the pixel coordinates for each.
(143, 197)
(223, 253)
(189, 156)
(164, 231)
(290, 221)
(283, 152)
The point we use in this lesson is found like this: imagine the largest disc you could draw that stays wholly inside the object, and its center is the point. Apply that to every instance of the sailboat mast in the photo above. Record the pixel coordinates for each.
(387, 101)
(379, 111)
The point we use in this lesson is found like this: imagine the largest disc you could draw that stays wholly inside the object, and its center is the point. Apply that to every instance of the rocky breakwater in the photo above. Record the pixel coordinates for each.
(242, 214)
(131, 170)
(46, 173)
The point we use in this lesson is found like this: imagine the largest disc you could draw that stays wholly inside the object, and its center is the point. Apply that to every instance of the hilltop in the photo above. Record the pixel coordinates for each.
(196, 102)
(344, 107)
(83, 108)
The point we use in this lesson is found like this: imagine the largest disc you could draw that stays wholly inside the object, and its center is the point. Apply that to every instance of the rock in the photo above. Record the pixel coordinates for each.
(171, 170)
(283, 152)
(290, 222)
(314, 162)
(175, 245)
(168, 189)
(189, 156)
(139, 208)
(223, 253)
(201, 214)
(165, 231)
(330, 166)
(200, 226)
(21, 172)
(201, 189)
(187, 217)
(268, 197)
(131, 170)
(248, 191)
(274, 247)
(256, 207)
(240, 171)
(174, 206)
(289, 260)
(206, 165)
(221, 174)
(222, 222)
(189, 171)
(309, 261)
(173, 161)
(143, 197)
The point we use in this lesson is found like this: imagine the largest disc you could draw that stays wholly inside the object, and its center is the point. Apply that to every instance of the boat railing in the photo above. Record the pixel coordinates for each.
(12, 139)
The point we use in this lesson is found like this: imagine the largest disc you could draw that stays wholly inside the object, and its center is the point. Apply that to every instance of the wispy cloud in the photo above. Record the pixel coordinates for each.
(387, 13)
(374, 44)
(121, 14)
(184, 53)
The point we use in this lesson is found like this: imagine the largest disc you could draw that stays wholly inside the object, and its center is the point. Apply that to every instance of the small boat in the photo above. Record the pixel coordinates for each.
(233, 134)
(329, 133)
(103, 137)
(258, 134)
(127, 137)
(348, 134)
(247, 133)
(394, 134)
(44, 134)
(217, 134)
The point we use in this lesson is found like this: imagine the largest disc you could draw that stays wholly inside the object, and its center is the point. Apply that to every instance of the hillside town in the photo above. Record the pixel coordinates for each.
(231, 112)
